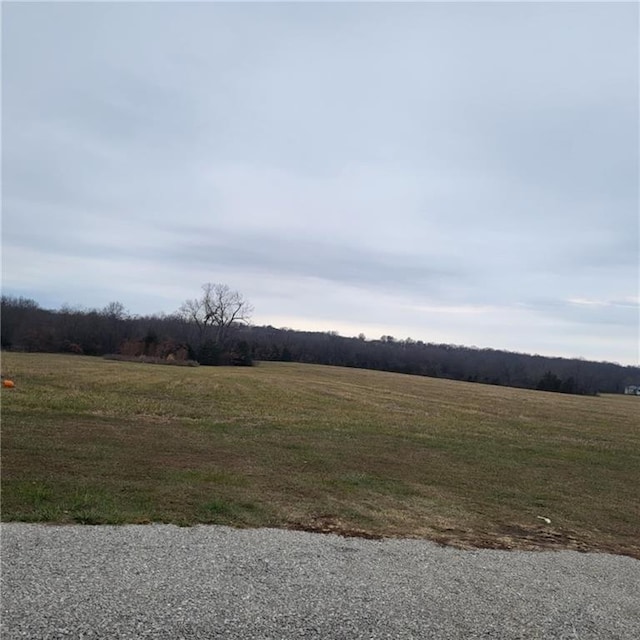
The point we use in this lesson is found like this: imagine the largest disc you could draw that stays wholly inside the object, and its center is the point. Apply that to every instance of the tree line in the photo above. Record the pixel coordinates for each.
(214, 329)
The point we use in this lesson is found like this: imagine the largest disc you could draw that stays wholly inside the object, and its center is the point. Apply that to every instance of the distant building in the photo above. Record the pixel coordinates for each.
(632, 390)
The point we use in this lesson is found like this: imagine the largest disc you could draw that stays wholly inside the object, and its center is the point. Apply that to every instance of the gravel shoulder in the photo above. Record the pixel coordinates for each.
(162, 581)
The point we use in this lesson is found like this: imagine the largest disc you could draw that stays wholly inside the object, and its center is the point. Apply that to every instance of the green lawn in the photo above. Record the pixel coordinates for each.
(321, 448)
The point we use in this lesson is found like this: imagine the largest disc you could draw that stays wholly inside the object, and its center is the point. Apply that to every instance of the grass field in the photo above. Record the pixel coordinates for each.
(319, 448)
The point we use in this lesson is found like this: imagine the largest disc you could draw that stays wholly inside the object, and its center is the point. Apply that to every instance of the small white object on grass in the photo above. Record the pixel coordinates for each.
(544, 518)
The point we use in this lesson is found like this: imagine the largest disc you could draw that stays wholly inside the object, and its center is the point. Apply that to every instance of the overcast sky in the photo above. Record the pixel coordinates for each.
(460, 173)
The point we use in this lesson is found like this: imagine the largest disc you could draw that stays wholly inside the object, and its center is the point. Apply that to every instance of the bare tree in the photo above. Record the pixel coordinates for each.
(112, 320)
(115, 310)
(193, 311)
(219, 307)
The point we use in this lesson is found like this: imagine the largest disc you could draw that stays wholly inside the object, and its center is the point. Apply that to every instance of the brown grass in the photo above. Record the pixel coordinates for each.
(318, 448)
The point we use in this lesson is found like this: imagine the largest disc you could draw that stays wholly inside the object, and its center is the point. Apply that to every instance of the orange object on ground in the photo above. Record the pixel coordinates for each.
(8, 383)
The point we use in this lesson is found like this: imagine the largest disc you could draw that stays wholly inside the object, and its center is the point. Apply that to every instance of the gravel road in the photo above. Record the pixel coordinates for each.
(161, 581)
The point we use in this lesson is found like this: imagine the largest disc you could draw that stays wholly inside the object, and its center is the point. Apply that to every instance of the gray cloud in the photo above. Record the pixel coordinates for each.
(331, 261)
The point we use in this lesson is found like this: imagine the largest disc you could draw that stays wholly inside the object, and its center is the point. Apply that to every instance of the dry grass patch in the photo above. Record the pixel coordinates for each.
(318, 448)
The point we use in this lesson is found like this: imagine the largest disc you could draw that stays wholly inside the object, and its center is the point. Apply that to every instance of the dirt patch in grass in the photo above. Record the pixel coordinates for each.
(321, 449)
(527, 538)
(332, 524)
(506, 538)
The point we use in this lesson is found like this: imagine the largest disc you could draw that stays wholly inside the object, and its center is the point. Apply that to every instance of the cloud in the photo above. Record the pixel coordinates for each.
(465, 171)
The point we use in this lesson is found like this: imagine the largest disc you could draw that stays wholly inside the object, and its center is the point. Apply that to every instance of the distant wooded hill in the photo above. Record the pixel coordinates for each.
(28, 327)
